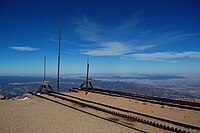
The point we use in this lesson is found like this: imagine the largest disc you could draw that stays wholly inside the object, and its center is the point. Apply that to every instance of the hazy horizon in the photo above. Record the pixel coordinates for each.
(72, 75)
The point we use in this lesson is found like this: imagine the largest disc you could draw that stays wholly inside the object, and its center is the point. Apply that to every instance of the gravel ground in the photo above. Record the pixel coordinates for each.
(36, 115)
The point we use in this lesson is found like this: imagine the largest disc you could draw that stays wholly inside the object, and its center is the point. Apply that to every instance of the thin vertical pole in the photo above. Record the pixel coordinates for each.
(44, 68)
(88, 65)
(58, 82)
(87, 75)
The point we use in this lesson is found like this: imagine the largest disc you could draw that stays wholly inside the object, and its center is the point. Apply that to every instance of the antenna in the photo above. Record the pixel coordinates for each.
(45, 84)
(59, 54)
(87, 75)
(44, 68)
(87, 80)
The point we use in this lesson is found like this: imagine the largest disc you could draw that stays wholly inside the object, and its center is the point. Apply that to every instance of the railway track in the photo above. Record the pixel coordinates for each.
(150, 99)
(161, 123)
(86, 112)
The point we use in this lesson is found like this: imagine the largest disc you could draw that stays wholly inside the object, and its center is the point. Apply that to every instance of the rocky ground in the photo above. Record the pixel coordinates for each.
(189, 100)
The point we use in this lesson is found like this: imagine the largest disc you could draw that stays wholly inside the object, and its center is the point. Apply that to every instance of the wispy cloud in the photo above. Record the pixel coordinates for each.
(130, 23)
(26, 48)
(104, 40)
(63, 41)
(132, 35)
(144, 47)
(87, 29)
(173, 36)
(166, 56)
(109, 49)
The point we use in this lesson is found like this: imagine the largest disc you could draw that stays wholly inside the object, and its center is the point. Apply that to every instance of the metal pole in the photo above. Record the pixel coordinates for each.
(58, 82)
(88, 68)
(44, 68)
(87, 75)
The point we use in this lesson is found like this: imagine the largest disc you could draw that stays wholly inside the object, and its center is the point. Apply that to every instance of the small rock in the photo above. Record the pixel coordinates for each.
(2, 97)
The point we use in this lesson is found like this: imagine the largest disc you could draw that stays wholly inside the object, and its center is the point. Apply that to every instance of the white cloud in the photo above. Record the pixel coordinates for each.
(172, 36)
(26, 48)
(62, 41)
(109, 49)
(129, 36)
(87, 29)
(165, 56)
(144, 47)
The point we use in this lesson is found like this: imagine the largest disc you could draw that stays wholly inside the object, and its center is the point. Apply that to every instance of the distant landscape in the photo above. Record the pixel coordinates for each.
(169, 86)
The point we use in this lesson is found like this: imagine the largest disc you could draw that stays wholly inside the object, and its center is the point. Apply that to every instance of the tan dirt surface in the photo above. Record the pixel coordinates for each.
(171, 113)
(37, 115)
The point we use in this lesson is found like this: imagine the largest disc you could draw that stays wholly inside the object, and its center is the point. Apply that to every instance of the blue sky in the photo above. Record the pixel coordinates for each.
(125, 36)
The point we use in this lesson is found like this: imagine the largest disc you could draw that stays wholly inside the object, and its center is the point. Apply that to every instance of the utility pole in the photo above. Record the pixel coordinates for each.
(58, 79)
(44, 68)
(87, 75)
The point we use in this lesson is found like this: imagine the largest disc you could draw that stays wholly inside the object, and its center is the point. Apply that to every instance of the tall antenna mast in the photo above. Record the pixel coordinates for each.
(58, 82)
(44, 68)
(88, 66)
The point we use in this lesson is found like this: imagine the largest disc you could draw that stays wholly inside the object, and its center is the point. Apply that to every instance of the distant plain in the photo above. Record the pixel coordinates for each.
(170, 86)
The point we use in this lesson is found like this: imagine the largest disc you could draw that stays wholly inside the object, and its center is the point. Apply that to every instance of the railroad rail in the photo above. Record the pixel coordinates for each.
(151, 99)
(118, 112)
(124, 110)
(55, 101)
